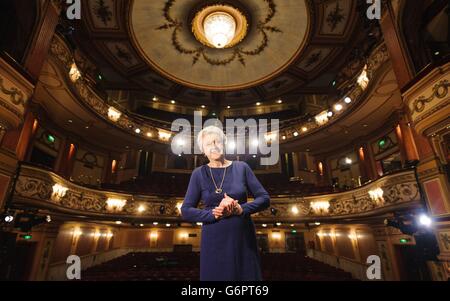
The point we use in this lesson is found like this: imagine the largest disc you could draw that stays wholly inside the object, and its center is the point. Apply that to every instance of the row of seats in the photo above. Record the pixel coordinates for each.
(174, 266)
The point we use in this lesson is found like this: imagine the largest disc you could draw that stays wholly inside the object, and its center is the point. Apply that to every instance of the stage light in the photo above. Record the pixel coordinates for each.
(425, 220)
(8, 218)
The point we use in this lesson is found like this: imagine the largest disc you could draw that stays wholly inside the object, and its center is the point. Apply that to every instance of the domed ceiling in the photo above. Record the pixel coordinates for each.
(276, 35)
(290, 47)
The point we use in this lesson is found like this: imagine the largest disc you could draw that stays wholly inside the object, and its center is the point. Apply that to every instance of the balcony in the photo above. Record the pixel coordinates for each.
(43, 189)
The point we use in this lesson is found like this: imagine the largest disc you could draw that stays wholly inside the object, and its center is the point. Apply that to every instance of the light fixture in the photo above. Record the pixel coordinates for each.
(363, 79)
(322, 118)
(258, 103)
(154, 235)
(338, 107)
(295, 134)
(59, 192)
(203, 106)
(74, 73)
(137, 131)
(425, 220)
(149, 134)
(276, 235)
(264, 225)
(220, 29)
(167, 225)
(347, 100)
(376, 194)
(114, 114)
(172, 102)
(278, 224)
(114, 204)
(304, 129)
(8, 218)
(317, 223)
(348, 161)
(320, 207)
(330, 114)
(283, 137)
(155, 223)
(141, 208)
(228, 107)
(118, 222)
(142, 225)
(164, 136)
(199, 224)
(294, 210)
(279, 101)
(155, 98)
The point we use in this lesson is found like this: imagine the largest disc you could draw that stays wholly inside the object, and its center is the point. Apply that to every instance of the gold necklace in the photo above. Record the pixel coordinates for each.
(218, 189)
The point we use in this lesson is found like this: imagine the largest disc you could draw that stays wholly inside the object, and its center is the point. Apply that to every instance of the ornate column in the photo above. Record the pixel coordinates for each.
(394, 43)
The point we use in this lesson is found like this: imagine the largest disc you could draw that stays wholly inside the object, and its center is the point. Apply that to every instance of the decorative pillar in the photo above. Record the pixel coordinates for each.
(397, 51)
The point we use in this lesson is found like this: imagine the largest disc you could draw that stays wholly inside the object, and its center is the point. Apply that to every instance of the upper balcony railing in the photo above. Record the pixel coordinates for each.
(39, 188)
(159, 131)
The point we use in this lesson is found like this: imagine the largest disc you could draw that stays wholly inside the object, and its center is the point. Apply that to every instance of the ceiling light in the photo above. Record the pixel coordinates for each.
(295, 134)
(220, 29)
(137, 131)
(338, 107)
(279, 101)
(172, 102)
(258, 103)
(348, 100)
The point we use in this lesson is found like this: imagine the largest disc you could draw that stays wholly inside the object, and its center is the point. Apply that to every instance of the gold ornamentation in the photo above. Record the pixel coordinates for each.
(15, 95)
(201, 52)
(440, 91)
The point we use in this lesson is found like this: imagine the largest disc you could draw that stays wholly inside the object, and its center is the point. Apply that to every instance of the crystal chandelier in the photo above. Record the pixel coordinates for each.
(220, 29)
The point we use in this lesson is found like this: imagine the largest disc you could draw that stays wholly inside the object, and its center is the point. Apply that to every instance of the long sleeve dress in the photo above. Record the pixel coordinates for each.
(228, 250)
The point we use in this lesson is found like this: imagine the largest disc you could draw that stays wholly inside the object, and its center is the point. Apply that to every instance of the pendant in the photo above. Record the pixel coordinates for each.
(219, 190)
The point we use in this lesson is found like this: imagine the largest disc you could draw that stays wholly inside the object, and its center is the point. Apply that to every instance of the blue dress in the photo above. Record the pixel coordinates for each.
(228, 250)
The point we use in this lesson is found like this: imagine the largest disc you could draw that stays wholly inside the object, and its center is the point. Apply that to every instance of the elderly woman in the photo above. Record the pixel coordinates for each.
(228, 243)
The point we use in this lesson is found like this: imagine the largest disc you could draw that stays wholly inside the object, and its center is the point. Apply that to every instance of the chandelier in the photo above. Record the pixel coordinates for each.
(220, 29)
(219, 26)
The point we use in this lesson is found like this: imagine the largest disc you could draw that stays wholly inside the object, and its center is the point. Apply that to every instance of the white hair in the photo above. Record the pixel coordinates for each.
(210, 130)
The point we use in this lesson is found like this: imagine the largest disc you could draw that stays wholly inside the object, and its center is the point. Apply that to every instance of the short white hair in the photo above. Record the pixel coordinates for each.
(210, 130)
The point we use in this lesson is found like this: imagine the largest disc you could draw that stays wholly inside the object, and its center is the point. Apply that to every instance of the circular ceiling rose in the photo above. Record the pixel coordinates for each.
(223, 46)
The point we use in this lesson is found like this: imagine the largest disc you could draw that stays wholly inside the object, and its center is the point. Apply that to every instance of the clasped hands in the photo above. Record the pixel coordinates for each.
(227, 207)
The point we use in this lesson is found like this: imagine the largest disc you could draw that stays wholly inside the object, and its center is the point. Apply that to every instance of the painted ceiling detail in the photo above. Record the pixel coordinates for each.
(239, 53)
(277, 34)
(290, 47)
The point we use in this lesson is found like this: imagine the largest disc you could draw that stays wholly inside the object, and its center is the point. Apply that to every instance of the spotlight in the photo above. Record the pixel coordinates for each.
(8, 218)
(425, 220)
